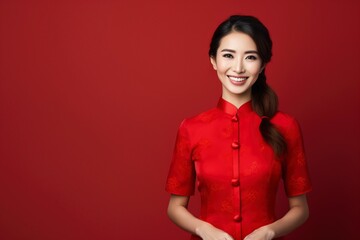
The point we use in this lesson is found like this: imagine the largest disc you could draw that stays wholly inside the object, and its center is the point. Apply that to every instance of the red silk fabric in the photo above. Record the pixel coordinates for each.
(222, 152)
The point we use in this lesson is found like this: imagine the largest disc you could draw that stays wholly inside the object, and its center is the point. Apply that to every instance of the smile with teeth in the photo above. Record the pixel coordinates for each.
(237, 79)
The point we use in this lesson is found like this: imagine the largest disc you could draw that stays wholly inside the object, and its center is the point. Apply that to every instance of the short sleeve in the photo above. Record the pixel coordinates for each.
(295, 172)
(181, 176)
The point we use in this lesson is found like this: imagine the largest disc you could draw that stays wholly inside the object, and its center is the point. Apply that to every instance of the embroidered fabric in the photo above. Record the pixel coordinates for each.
(223, 154)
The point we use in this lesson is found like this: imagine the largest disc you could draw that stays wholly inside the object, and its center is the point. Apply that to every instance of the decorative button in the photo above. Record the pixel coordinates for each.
(237, 218)
(235, 145)
(234, 118)
(235, 182)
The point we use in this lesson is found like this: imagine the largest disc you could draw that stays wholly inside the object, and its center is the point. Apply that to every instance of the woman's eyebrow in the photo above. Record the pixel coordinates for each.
(228, 50)
(233, 51)
(251, 51)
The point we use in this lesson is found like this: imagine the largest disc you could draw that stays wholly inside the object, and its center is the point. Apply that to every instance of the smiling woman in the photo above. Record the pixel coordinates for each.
(237, 152)
(230, 63)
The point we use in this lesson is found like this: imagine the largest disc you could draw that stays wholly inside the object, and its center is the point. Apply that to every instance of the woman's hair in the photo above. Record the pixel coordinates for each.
(264, 99)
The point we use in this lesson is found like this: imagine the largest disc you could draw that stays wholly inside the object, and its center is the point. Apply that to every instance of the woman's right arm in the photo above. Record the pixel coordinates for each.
(178, 213)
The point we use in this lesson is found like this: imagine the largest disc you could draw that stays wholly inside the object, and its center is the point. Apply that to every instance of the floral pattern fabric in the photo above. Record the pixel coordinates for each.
(221, 152)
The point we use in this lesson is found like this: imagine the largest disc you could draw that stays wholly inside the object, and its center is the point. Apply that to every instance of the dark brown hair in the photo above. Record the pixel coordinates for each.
(264, 99)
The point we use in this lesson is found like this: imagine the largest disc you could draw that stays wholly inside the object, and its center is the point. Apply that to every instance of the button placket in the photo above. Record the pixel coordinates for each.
(235, 181)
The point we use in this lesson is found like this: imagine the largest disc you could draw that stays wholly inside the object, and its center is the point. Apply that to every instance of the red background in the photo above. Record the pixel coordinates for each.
(92, 93)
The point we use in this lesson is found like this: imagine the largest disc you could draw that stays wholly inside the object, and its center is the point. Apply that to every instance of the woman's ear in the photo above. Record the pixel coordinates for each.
(262, 68)
(213, 62)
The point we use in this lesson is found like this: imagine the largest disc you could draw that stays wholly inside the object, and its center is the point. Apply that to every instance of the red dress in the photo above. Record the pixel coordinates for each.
(235, 171)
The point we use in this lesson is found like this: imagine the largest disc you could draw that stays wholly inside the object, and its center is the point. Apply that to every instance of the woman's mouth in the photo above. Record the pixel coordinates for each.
(237, 80)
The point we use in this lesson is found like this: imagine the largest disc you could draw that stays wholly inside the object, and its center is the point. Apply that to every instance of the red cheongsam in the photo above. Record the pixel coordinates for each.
(235, 171)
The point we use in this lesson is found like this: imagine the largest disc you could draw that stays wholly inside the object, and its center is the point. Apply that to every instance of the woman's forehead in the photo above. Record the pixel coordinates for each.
(237, 41)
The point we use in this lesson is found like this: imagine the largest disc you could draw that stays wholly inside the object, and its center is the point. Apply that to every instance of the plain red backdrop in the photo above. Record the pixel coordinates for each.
(92, 93)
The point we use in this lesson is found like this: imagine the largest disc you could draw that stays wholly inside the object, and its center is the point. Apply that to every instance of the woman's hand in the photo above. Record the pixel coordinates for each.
(178, 213)
(208, 232)
(263, 233)
(296, 215)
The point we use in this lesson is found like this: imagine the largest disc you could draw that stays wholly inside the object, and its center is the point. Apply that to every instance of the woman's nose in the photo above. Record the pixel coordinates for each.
(238, 66)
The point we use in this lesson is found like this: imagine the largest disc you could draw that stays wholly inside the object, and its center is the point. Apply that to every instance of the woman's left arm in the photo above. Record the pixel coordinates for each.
(297, 215)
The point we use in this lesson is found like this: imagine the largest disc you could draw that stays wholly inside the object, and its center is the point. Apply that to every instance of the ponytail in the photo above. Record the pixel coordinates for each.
(265, 104)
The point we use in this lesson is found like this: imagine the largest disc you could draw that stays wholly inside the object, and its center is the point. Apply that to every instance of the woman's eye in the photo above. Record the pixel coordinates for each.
(228, 55)
(251, 57)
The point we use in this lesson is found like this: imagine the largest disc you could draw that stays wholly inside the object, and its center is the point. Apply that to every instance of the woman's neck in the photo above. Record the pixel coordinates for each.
(237, 99)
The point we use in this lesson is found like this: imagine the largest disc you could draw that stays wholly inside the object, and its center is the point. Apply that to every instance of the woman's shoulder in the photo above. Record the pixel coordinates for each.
(282, 117)
(285, 122)
(202, 118)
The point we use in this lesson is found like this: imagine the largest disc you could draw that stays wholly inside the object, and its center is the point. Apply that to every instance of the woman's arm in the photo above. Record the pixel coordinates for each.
(178, 213)
(297, 215)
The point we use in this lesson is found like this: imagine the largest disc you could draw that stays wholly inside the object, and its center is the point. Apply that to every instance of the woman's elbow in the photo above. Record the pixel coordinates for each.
(169, 211)
(306, 213)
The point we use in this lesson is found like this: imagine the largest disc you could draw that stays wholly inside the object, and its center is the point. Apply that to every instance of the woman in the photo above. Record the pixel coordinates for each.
(237, 152)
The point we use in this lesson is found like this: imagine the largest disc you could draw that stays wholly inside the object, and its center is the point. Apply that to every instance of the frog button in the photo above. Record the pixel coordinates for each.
(235, 145)
(235, 118)
(237, 218)
(235, 182)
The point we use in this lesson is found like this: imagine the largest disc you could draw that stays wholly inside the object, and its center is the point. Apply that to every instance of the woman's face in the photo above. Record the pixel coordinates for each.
(237, 64)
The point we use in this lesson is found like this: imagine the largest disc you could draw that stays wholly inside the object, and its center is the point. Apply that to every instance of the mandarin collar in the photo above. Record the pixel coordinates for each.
(231, 109)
